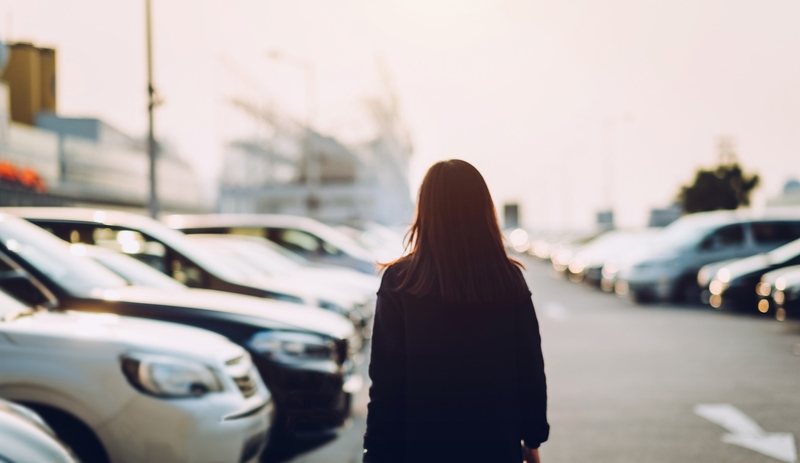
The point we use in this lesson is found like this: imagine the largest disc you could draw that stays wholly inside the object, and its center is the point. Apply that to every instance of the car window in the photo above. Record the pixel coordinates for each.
(775, 233)
(730, 236)
(134, 244)
(246, 231)
(298, 241)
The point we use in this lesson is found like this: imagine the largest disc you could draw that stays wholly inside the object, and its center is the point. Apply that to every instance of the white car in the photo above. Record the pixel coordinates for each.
(24, 436)
(124, 390)
(355, 291)
(304, 236)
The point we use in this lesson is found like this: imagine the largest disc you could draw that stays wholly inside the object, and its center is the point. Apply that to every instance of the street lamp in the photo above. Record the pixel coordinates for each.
(151, 103)
(313, 168)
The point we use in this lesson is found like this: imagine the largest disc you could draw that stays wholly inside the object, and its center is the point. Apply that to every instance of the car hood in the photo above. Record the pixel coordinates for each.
(790, 275)
(111, 332)
(344, 278)
(748, 265)
(292, 316)
(311, 290)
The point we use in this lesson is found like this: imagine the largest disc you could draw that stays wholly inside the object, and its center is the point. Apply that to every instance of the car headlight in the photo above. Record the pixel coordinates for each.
(293, 345)
(717, 287)
(703, 277)
(164, 376)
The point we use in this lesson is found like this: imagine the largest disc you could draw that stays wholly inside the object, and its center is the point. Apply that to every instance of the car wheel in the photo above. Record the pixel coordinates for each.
(74, 433)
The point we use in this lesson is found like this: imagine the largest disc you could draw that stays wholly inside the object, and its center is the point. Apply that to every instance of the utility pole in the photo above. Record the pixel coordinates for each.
(151, 102)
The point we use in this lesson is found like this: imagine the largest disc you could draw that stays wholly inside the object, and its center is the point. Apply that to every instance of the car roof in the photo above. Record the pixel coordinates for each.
(80, 214)
(741, 216)
(326, 232)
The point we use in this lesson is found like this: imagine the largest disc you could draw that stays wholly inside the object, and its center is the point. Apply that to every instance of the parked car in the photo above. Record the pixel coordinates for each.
(172, 253)
(385, 243)
(779, 293)
(563, 251)
(734, 284)
(262, 254)
(302, 353)
(307, 237)
(25, 437)
(588, 261)
(119, 389)
(669, 269)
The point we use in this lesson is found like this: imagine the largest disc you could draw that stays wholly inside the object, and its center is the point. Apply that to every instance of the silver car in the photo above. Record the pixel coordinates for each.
(668, 269)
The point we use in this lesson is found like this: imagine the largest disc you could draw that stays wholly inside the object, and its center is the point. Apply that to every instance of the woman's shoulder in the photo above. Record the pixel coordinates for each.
(393, 275)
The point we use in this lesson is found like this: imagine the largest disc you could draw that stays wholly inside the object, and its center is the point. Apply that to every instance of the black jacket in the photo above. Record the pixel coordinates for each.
(453, 382)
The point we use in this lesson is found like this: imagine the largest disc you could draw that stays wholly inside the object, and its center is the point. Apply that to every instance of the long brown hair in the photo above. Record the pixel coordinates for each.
(455, 246)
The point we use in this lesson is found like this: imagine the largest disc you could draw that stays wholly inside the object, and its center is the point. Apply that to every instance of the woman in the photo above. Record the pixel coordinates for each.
(457, 370)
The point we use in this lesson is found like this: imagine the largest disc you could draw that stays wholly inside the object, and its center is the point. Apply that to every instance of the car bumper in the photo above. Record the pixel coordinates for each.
(660, 289)
(211, 429)
(310, 398)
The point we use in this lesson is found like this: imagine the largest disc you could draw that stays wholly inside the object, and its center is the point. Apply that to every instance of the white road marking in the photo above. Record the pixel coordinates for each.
(746, 433)
(555, 311)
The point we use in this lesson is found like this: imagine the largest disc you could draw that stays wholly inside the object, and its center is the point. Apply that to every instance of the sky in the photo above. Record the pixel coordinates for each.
(553, 100)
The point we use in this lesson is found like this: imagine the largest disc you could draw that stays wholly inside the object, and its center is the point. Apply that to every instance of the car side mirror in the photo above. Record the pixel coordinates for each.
(20, 286)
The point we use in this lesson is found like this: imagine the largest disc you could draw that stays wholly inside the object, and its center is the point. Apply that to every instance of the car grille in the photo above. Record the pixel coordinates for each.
(241, 371)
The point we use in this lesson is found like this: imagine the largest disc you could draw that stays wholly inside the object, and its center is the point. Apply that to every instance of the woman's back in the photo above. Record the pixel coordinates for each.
(456, 363)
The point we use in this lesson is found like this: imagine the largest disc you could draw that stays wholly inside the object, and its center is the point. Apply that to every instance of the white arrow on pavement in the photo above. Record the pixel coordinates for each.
(746, 433)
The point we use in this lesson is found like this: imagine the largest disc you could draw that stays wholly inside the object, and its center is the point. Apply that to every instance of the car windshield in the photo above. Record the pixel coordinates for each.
(10, 307)
(221, 264)
(77, 275)
(255, 253)
(136, 272)
(785, 252)
(683, 235)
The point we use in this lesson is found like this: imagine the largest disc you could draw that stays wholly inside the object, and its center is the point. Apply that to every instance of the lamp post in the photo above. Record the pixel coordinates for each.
(313, 168)
(153, 205)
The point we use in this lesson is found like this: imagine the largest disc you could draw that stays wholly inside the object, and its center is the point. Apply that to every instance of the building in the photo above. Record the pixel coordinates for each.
(300, 171)
(76, 161)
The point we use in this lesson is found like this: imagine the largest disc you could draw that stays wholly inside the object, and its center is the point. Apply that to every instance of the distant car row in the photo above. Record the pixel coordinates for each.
(92, 340)
(736, 260)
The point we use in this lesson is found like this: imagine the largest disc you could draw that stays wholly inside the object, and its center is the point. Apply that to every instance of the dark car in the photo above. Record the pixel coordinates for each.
(779, 293)
(736, 284)
(301, 352)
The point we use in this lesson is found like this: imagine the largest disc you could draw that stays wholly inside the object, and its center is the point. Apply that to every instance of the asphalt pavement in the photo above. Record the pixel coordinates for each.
(656, 383)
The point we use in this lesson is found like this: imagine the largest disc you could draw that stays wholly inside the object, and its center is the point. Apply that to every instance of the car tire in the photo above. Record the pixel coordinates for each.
(74, 433)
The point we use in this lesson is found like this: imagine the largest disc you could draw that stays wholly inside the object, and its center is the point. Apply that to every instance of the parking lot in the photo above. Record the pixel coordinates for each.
(625, 381)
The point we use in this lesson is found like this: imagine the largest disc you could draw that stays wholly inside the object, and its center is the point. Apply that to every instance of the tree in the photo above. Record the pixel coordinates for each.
(724, 187)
